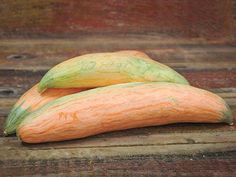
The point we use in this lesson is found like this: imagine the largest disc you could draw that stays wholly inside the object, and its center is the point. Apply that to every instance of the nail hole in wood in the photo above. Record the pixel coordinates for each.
(20, 56)
(4, 92)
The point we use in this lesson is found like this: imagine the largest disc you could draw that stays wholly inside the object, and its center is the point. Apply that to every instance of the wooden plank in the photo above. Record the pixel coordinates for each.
(81, 158)
(106, 152)
(153, 139)
(204, 164)
(211, 79)
(62, 18)
(41, 55)
(182, 152)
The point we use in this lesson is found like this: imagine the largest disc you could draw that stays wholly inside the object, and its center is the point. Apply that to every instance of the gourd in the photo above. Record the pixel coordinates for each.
(119, 107)
(103, 69)
(29, 102)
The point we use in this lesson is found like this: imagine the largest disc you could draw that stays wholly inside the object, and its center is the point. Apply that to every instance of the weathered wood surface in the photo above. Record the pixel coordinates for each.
(199, 165)
(172, 150)
(180, 54)
(93, 153)
(202, 18)
(110, 25)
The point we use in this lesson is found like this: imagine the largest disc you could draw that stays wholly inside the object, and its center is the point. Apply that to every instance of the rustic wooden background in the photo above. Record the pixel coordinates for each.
(196, 38)
(57, 18)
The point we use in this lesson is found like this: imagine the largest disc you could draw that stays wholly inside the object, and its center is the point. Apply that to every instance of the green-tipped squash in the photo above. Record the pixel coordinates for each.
(103, 69)
(29, 102)
(120, 107)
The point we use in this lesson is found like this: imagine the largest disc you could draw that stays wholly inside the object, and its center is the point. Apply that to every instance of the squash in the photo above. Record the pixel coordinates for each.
(103, 69)
(30, 101)
(120, 107)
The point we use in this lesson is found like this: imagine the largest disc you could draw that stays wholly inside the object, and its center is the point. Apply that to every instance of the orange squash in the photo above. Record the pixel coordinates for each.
(120, 107)
(30, 101)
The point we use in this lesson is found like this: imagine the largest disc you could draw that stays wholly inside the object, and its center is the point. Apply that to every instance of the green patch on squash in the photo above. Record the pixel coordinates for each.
(15, 117)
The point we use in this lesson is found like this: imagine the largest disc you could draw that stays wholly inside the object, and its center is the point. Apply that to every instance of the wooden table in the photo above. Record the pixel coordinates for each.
(196, 38)
(173, 150)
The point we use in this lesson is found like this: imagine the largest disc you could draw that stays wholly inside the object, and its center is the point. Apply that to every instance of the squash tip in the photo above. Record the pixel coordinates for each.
(16, 115)
(228, 115)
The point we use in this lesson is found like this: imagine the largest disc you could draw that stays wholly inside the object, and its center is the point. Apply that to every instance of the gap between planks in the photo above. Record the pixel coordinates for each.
(12, 143)
(169, 144)
(103, 152)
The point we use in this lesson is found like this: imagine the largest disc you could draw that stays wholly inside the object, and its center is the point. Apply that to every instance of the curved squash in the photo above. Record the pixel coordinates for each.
(120, 107)
(30, 101)
(103, 69)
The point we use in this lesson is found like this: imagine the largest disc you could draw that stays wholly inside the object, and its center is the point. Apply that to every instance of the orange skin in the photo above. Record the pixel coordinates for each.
(53, 93)
(32, 98)
(127, 106)
(31, 101)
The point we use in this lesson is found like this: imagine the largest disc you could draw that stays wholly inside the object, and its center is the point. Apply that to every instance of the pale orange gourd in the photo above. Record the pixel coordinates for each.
(104, 69)
(32, 99)
(29, 102)
(120, 107)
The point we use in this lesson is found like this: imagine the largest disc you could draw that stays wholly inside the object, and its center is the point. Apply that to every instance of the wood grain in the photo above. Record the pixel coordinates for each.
(37, 55)
(171, 150)
(95, 149)
(151, 139)
(62, 18)
(201, 165)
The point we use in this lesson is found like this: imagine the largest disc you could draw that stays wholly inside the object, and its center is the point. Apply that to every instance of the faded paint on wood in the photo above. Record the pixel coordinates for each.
(196, 19)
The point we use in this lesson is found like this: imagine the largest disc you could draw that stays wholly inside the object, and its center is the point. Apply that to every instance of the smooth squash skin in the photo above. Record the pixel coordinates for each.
(120, 107)
(103, 69)
(29, 102)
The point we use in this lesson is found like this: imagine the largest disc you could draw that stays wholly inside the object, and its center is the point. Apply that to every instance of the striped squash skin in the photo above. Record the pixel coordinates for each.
(32, 100)
(29, 102)
(120, 107)
(103, 69)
